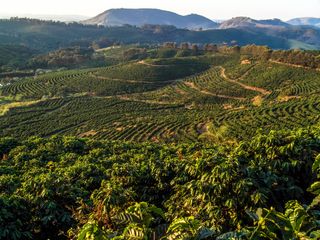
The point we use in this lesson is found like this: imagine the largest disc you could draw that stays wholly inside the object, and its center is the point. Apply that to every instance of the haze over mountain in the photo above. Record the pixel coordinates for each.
(61, 18)
(140, 17)
(270, 27)
(275, 27)
(305, 21)
(246, 22)
(145, 28)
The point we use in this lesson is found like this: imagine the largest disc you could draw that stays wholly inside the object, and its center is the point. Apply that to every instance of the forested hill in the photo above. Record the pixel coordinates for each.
(48, 35)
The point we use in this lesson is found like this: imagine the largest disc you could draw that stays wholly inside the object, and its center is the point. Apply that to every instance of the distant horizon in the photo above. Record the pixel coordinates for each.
(222, 10)
(79, 17)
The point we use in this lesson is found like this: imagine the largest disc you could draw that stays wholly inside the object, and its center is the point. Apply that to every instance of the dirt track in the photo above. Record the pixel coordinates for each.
(245, 86)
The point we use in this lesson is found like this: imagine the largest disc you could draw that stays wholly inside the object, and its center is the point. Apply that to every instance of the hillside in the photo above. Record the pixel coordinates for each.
(277, 28)
(143, 124)
(301, 35)
(188, 135)
(245, 22)
(305, 21)
(173, 98)
(46, 36)
(14, 56)
(140, 17)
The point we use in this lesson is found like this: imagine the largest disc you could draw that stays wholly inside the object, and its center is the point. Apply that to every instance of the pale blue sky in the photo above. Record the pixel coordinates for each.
(214, 9)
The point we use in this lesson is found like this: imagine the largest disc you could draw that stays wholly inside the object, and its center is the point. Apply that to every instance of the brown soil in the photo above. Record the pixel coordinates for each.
(193, 86)
(287, 98)
(293, 65)
(245, 62)
(88, 134)
(152, 65)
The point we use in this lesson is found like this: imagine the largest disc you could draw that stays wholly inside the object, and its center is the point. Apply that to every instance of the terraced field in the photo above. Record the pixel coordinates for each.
(178, 99)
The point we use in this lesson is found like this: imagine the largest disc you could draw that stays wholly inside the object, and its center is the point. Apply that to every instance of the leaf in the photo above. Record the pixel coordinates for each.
(315, 202)
(315, 188)
(315, 235)
(232, 235)
(86, 230)
(316, 164)
(296, 214)
(252, 215)
(133, 231)
(205, 233)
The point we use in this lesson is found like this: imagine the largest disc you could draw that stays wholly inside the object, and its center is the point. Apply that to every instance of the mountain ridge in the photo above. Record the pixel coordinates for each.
(141, 16)
(312, 21)
(244, 22)
(145, 16)
(275, 27)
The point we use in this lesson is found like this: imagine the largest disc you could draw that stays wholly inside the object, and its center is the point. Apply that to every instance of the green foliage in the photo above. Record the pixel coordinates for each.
(188, 228)
(177, 99)
(166, 100)
(116, 190)
(6, 145)
(157, 70)
(303, 58)
(139, 219)
(298, 222)
(49, 35)
(15, 218)
(14, 57)
(249, 184)
(67, 57)
(92, 231)
(115, 80)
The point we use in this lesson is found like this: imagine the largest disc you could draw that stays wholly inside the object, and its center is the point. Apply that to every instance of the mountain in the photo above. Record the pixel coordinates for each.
(140, 17)
(245, 22)
(306, 37)
(276, 28)
(47, 36)
(305, 21)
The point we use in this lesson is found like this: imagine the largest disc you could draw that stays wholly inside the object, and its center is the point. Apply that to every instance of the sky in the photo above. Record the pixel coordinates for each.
(213, 9)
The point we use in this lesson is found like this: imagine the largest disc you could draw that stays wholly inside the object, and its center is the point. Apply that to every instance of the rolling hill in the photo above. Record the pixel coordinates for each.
(140, 17)
(246, 22)
(47, 35)
(169, 99)
(305, 37)
(276, 28)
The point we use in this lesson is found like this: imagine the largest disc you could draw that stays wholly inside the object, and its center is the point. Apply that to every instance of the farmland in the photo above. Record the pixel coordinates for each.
(162, 143)
(175, 99)
(134, 130)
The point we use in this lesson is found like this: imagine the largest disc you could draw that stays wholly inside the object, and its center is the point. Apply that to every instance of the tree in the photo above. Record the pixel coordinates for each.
(171, 45)
(195, 48)
(184, 46)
